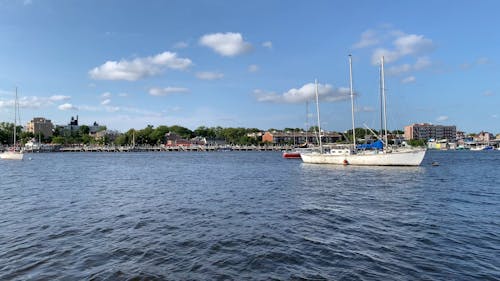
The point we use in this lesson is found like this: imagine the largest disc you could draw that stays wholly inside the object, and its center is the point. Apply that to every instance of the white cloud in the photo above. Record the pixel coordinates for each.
(267, 44)
(181, 45)
(479, 61)
(365, 109)
(412, 44)
(67, 106)
(59, 98)
(442, 118)
(405, 45)
(33, 102)
(139, 68)
(206, 75)
(253, 68)
(483, 60)
(226, 44)
(106, 102)
(399, 69)
(368, 38)
(112, 108)
(409, 79)
(305, 93)
(420, 64)
(167, 91)
(401, 44)
(106, 95)
(89, 108)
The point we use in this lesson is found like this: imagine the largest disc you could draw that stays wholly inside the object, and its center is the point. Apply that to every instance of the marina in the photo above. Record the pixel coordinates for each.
(249, 140)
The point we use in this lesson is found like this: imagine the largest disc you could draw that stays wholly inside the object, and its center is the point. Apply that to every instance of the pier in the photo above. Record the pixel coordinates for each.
(159, 148)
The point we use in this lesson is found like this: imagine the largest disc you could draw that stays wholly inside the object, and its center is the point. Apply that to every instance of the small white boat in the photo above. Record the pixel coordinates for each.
(13, 153)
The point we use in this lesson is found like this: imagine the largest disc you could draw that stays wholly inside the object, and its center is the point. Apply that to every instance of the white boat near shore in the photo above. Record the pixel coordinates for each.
(400, 156)
(396, 157)
(13, 153)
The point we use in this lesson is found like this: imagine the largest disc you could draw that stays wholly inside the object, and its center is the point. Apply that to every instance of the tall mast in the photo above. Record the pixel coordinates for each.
(15, 117)
(352, 103)
(319, 123)
(307, 120)
(381, 133)
(384, 112)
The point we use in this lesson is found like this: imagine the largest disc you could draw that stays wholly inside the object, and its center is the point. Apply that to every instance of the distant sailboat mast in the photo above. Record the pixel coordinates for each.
(319, 122)
(381, 132)
(307, 121)
(352, 103)
(384, 112)
(15, 119)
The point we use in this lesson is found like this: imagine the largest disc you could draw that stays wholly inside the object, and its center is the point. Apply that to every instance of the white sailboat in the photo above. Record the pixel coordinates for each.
(403, 156)
(13, 153)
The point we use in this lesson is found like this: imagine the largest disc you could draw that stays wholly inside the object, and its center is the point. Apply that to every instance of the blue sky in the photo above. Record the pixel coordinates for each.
(127, 64)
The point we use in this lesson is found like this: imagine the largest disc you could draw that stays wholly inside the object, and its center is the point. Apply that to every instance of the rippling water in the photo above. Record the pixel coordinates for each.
(247, 216)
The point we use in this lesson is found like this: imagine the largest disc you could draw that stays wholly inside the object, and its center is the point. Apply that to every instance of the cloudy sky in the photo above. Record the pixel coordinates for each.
(127, 64)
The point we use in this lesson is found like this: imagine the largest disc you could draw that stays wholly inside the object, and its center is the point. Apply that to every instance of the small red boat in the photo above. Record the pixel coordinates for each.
(291, 154)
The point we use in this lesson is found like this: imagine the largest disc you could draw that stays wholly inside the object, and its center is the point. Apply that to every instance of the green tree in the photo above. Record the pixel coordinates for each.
(313, 129)
(24, 136)
(58, 140)
(182, 131)
(417, 142)
(158, 134)
(6, 130)
(122, 139)
(83, 130)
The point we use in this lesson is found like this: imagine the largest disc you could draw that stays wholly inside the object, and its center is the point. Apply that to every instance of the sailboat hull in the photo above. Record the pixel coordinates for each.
(12, 155)
(410, 157)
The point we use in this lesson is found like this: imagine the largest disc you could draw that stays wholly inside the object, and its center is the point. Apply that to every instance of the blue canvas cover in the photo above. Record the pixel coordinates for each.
(374, 145)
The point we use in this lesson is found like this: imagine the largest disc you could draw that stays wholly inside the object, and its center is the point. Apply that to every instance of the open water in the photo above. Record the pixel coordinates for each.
(247, 216)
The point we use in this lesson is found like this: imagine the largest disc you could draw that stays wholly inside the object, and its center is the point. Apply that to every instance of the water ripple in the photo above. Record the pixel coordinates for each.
(247, 216)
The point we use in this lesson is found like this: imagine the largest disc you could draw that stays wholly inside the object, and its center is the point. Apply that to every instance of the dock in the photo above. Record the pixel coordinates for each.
(160, 148)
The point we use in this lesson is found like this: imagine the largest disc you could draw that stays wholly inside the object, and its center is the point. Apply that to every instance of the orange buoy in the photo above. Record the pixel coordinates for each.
(346, 162)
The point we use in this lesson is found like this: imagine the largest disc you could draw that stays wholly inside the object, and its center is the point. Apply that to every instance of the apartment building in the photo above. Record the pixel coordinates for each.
(40, 125)
(425, 131)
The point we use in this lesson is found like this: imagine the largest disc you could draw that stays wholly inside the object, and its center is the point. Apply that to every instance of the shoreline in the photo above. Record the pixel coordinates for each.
(159, 148)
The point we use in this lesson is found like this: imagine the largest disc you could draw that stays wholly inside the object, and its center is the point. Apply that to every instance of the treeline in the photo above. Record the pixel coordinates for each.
(146, 136)
(7, 134)
(154, 136)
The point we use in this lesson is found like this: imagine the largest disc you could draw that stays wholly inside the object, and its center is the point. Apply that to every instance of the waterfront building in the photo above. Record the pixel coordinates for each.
(173, 139)
(40, 126)
(71, 127)
(199, 141)
(95, 128)
(280, 137)
(426, 131)
(256, 135)
(484, 137)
